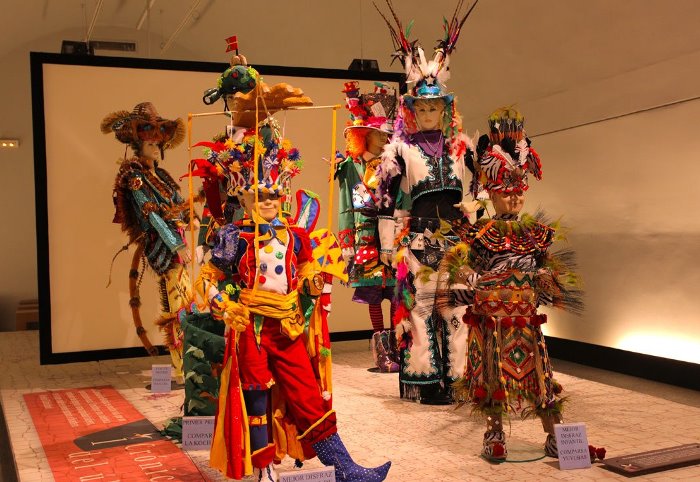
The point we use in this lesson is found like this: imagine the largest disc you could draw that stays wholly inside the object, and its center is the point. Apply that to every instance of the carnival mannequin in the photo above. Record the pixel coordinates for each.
(153, 214)
(372, 118)
(421, 189)
(503, 270)
(256, 292)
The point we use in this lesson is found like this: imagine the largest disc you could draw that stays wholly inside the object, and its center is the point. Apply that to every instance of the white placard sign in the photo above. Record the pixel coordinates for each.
(572, 443)
(197, 433)
(161, 378)
(325, 474)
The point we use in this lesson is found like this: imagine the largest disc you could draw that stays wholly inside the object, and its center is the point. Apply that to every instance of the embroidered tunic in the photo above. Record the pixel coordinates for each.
(150, 209)
(513, 273)
(358, 228)
(420, 181)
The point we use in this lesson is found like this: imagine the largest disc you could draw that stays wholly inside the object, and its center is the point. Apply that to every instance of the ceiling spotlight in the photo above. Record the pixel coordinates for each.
(9, 143)
(364, 65)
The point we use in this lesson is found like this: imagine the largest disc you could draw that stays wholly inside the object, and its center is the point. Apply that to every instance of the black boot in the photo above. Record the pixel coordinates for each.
(433, 394)
(331, 451)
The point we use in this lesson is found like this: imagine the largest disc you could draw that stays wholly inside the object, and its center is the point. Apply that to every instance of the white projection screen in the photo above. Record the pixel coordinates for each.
(75, 164)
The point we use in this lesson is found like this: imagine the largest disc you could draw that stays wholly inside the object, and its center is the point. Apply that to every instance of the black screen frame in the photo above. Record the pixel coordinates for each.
(37, 62)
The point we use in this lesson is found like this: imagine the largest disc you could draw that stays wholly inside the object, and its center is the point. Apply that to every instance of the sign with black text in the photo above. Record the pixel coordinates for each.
(572, 443)
(197, 433)
(325, 474)
(161, 378)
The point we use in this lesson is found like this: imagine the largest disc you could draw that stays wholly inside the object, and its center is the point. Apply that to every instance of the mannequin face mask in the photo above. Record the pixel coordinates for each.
(507, 203)
(376, 141)
(429, 113)
(267, 208)
(150, 151)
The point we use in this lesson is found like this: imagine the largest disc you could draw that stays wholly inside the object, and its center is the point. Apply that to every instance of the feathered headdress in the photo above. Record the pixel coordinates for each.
(143, 124)
(426, 79)
(506, 122)
(504, 163)
(375, 110)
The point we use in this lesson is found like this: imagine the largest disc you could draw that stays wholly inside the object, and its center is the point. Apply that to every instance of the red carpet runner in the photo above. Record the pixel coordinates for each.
(94, 434)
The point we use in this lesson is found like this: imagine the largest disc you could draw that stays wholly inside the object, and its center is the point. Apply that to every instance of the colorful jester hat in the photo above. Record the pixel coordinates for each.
(426, 79)
(277, 161)
(503, 163)
(375, 110)
(143, 124)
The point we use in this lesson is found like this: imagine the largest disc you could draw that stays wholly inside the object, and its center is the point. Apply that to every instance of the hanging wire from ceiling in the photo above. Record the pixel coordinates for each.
(148, 27)
(616, 116)
(85, 20)
(93, 21)
(362, 55)
(168, 43)
(146, 14)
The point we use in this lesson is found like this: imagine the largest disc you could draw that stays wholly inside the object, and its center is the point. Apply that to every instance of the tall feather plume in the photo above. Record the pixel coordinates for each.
(448, 42)
(405, 50)
(453, 28)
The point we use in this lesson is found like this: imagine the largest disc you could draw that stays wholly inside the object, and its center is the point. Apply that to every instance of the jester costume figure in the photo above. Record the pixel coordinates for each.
(272, 401)
(372, 118)
(204, 342)
(420, 190)
(151, 211)
(503, 269)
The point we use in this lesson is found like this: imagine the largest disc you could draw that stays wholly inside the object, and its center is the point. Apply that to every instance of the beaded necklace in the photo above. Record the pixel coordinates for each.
(513, 235)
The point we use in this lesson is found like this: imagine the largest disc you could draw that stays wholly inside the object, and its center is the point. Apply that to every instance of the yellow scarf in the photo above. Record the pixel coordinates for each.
(278, 306)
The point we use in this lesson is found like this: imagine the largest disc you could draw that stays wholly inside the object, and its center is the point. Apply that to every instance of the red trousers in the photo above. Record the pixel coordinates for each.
(286, 363)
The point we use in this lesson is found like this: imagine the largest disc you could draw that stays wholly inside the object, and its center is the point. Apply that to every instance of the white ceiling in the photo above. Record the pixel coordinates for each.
(563, 62)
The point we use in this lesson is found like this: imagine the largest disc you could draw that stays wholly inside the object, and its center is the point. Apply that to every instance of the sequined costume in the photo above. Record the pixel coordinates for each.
(513, 274)
(508, 271)
(358, 229)
(270, 352)
(273, 401)
(150, 209)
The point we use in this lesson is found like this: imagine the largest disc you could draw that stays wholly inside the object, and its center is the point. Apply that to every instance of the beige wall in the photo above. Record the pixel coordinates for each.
(81, 164)
(18, 244)
(628, 190)
(625, 186)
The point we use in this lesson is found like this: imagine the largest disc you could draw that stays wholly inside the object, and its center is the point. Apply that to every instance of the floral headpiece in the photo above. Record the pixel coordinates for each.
(503, 165)
(375, 110)
(278, 161)
(143, 124)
